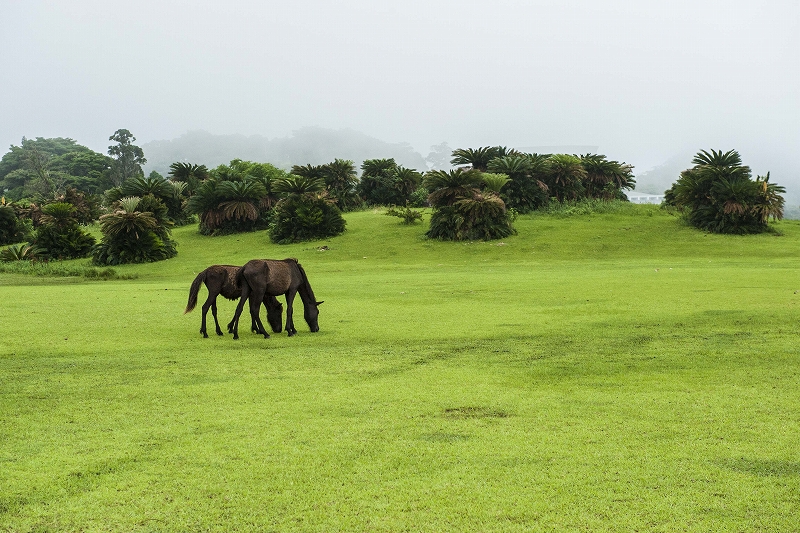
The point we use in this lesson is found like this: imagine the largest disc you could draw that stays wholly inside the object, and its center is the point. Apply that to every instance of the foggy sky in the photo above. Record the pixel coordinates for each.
(642, 80)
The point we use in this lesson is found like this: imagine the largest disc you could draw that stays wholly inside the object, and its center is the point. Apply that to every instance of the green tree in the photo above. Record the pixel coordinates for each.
(12, 229)
(128, 158)
(45, 167)
(719, 195)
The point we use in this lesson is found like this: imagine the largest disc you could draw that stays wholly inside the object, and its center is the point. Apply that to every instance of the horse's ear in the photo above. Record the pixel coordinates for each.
(322, 302)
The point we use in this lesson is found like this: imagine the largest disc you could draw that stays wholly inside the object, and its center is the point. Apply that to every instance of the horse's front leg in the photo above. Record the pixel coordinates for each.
(256, 298)
(289, 312)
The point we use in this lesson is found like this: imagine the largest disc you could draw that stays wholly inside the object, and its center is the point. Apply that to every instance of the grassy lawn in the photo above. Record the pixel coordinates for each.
(598, 372)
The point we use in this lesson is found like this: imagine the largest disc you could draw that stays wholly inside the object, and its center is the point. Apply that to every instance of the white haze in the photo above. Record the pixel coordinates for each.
(642, 80)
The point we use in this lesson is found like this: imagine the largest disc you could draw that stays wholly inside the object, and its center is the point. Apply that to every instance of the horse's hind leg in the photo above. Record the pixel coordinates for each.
(256, 298)
(206, 305)
(216, 321)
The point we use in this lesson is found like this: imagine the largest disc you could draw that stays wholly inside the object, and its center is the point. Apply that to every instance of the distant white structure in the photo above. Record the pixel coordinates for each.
(641, 198)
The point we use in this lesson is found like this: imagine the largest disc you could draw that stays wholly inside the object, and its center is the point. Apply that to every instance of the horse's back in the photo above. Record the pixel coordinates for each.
(223, 279)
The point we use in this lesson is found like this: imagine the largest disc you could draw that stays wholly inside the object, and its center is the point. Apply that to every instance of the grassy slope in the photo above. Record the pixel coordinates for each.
(603, 372)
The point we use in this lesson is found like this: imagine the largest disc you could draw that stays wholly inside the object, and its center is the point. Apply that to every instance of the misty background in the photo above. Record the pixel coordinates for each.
(648, 83)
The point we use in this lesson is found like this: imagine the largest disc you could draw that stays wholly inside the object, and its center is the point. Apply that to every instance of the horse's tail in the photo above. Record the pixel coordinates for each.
(194, 290)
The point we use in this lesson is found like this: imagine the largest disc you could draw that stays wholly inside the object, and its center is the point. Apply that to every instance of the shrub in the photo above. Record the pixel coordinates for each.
(406, 214)
(304, 218)
(59, 234)
(12, 229)
(718, 195)
(131, 235)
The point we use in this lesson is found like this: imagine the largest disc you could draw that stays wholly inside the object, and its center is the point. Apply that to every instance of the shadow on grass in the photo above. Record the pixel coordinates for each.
(762, 467)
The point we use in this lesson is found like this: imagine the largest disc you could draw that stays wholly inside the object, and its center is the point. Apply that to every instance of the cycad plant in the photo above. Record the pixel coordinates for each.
(60, 234)
(606, 179)
(526, 190)
(718, 195)
(565, 176)
(479, 158)
(305, 212)
(132, 235)
(235, 198)
(188, 173)
(462, 210)
(21, 252)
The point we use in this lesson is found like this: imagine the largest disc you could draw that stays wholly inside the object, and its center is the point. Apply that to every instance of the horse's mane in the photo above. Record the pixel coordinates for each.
(305, 286)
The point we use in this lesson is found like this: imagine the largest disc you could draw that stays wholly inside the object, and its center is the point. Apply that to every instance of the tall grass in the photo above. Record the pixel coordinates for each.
(60, 269)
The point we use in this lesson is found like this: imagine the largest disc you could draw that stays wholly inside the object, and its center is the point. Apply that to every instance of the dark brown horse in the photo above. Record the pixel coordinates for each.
(261, 278)
(221, 279)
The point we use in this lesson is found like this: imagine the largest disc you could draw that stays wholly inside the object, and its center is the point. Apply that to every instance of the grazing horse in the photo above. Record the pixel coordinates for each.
(221, 279)
(261, 278)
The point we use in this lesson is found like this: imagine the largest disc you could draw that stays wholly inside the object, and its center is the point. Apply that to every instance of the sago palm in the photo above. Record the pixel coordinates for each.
(447, 186)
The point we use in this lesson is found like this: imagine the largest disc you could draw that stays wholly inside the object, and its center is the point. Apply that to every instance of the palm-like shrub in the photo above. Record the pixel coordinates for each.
(479, 158)
(462, 211)
(526, 189)
(229, 206)
(494, 182)
(718, 195)
(235, 198)
(565, 177)
(376, 186)
(20, 252)
(341, 181)
(191, 175)
(606, 179)
(305, 212)
(241, 199)
(446, 187)
(384, 182)
(133, 235)
(171, 194)
(59, 233)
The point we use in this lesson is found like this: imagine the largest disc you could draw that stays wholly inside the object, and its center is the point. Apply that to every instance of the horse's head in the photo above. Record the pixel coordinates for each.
(275, 314)
(311, 314)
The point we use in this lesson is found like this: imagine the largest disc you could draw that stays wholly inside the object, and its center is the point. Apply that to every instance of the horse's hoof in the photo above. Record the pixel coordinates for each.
(205, 336)
(220, 334)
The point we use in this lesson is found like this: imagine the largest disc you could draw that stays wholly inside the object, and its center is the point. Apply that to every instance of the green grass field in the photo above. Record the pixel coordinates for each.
(597, 372)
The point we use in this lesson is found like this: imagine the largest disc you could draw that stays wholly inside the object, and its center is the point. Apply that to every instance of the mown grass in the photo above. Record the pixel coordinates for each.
(611, 371)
